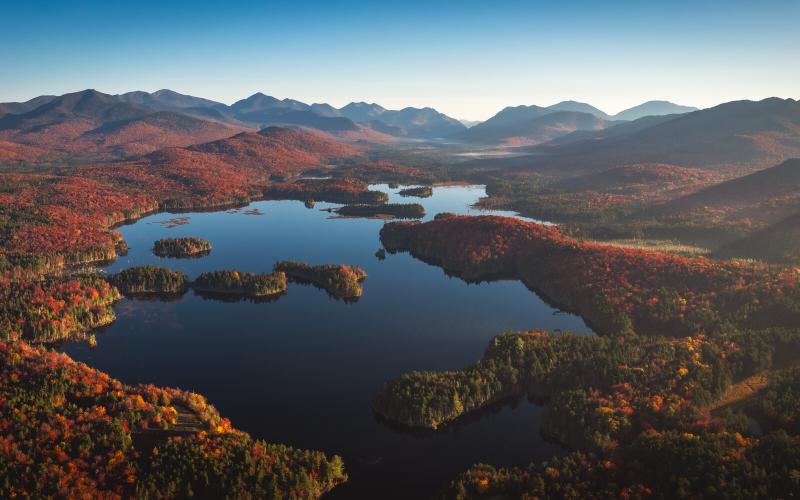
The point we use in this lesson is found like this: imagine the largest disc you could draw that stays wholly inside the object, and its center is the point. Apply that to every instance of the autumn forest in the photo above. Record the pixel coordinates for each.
(288, 298)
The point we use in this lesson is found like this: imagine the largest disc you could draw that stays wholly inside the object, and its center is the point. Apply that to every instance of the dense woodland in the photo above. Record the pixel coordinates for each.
(601, 391)
(54, 309)
(72, 431)
(779, 406)
(657, 464)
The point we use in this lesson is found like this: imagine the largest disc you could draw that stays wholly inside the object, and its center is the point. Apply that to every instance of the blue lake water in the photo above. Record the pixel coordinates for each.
(302, 370)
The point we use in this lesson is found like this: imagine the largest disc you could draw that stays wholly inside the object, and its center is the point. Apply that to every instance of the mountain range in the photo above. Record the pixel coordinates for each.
(577, 146)
(531, 125)
(566, 139)
(749, 134)
(93, 122)
(62, 121)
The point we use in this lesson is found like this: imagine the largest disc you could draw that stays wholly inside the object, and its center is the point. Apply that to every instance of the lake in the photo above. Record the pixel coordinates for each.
(303, 369)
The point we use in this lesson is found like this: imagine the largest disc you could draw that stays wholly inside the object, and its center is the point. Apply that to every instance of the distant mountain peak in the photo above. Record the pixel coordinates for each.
(653, 108)
(163, 92)
(579, 107)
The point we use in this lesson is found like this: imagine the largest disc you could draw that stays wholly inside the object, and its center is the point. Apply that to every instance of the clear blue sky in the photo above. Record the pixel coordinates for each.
(468, 59)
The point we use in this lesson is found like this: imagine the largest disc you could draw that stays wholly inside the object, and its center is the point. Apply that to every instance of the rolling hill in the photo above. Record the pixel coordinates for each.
(93, 122)
(12, 153)
(275, 148)
(779, 243)
(616, 129)
(224, 171)
(634, 179)
(151, 132)
(762, 198)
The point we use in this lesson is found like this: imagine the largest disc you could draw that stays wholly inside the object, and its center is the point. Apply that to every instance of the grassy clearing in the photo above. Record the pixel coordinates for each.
(668, 246)
(743, 390)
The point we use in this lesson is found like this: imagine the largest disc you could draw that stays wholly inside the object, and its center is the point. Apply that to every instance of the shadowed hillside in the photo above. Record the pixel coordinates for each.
(747, 134)
(761, 198)
(16, 108)
(653, 108)
(275, 147)
(530, 125)
(93, 122)
(778, 243)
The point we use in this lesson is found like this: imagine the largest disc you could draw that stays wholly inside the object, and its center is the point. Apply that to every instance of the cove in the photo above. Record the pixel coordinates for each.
(303, 369)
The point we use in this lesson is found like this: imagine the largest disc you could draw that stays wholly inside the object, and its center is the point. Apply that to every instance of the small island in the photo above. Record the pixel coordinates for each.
(241, 283)
(326, 190)
(181, 247)
(417, 192)
(388, 210)
(149, 280)
(339, 280)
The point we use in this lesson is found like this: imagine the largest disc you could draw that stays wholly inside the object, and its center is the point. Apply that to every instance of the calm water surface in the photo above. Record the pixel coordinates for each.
(303, 369)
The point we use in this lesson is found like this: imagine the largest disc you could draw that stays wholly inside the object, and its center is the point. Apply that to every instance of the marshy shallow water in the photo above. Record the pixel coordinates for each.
(303, 369)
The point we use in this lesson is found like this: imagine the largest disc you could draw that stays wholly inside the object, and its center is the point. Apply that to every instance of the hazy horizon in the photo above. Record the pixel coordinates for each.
(465, 59)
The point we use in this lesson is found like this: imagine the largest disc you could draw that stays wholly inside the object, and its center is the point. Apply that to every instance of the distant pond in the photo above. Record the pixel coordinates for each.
(303, 369)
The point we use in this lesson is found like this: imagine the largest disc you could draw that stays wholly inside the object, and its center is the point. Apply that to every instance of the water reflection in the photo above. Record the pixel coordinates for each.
(303, 369)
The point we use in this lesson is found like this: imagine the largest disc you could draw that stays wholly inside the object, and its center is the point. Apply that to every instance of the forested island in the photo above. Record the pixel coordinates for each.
(181, 247)
(417, 192)
(389, 210)
(339, 280)
(241, 283)
(339, 190)
(149, 280)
